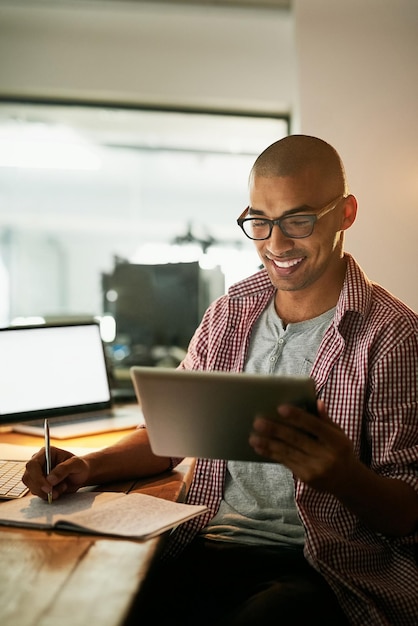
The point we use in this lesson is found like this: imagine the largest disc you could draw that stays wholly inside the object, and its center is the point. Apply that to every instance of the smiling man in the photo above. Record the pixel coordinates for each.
(327, 531)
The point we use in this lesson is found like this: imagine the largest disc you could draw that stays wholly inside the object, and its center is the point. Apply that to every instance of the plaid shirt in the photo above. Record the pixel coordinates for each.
(366, 372)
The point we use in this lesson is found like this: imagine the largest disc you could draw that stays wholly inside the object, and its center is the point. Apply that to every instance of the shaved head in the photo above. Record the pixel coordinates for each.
(296, 153)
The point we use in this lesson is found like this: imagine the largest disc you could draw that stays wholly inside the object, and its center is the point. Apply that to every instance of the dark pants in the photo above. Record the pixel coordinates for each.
(218, 583)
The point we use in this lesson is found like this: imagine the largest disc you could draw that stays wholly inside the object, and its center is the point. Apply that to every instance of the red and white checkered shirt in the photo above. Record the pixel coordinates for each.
(366, 372)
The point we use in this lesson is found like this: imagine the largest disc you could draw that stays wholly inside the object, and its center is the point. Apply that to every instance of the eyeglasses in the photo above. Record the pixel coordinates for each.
(295, 226)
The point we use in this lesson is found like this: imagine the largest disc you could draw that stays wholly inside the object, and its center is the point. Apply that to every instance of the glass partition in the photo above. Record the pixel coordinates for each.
(84, 188)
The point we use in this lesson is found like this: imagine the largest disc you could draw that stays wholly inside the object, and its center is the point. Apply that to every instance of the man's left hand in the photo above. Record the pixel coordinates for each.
(316, 450)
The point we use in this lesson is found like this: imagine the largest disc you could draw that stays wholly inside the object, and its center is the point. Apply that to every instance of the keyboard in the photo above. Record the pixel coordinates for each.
(11, 485)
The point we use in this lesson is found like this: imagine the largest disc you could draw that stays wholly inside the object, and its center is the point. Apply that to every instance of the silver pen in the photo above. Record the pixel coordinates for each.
(47, 455)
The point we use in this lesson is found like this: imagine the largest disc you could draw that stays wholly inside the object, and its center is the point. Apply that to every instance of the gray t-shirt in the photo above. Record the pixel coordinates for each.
(258, 505)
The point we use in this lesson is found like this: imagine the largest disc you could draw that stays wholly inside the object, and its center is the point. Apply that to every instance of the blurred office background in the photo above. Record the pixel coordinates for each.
(128, 128)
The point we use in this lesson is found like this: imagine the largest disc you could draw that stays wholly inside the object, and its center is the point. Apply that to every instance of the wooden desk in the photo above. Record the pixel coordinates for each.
(53, 579)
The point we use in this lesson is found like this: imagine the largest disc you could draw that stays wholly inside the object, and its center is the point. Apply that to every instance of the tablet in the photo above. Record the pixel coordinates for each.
(192, 413)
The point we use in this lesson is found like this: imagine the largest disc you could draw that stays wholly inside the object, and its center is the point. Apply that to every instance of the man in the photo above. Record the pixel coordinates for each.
(327, 532)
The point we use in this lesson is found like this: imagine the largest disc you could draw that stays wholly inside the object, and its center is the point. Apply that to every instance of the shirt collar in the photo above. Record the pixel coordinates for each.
(356, 293)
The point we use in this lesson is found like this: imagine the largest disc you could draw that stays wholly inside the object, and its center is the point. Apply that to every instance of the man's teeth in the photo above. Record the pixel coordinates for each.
(285, 264)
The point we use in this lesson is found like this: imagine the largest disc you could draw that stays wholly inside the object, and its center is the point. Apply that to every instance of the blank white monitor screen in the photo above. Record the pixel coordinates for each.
(51, 367)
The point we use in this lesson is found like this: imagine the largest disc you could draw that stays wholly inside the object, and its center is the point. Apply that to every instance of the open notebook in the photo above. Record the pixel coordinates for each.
(58, 371)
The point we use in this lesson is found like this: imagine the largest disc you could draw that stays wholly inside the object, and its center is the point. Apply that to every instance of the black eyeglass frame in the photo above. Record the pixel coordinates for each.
(311, 217)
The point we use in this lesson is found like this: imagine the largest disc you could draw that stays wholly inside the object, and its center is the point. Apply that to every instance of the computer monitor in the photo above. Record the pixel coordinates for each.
(156, 305)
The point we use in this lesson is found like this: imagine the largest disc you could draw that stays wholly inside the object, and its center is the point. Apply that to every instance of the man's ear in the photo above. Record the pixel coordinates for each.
(349, 212)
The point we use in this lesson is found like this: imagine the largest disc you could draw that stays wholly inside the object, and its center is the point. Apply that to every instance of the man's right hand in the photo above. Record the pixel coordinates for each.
(68, 474)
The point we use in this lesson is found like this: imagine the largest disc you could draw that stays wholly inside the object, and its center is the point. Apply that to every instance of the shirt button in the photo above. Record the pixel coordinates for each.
(281, 341)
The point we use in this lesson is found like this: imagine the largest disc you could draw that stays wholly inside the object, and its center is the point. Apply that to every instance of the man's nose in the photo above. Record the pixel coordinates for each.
(278, 241)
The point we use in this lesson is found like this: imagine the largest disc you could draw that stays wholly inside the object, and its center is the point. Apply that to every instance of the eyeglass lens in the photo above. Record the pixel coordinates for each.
(297, 226)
